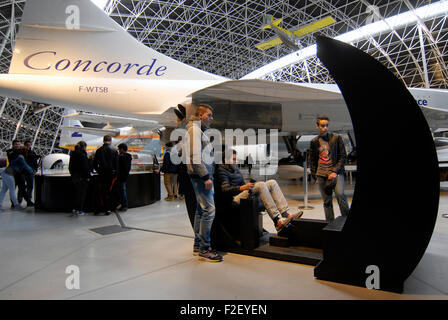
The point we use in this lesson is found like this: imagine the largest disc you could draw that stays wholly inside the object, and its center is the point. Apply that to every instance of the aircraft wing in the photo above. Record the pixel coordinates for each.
(256, 90)
(94, 131)
(313, 26)
(263, 104)
(275, 41)
(436, 118)
(115, 121)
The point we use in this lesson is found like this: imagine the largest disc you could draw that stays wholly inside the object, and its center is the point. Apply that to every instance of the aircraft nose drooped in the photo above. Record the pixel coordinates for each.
(180, 112)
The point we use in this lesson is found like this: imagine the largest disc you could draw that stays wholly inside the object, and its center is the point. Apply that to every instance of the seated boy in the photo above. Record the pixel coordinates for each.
(232, 182)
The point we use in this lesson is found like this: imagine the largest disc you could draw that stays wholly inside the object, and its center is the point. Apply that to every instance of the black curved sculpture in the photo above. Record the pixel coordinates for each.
(396, 197)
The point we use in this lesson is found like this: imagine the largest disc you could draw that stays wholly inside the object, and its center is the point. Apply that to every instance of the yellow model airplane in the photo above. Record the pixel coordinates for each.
(289, 37)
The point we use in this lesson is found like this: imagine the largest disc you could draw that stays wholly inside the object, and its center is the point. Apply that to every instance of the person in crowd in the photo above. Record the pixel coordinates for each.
(186, 190)
(327, 160)
(19, 180)
(124, 167)
(155, 164)
(80, 172)
(249, 162)
(169, 170)
(352, 156)
(17, 165)
(177, 149)
(232, 183)
(105, 163)
(299, 158)
(32, 159)
(200, 170)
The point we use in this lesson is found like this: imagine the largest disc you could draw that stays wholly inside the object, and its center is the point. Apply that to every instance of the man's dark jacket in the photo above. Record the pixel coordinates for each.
(124, 166)
(230, 180)
(106, 161)
(168, 166)
(78, 165)
(32, 159)
(337, 154)
(13, 153)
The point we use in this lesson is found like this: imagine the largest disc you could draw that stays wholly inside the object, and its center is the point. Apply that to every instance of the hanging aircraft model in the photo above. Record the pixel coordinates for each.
(71, 54)
(142, 145)
(291, 37)
(142, 137)
(121, 129)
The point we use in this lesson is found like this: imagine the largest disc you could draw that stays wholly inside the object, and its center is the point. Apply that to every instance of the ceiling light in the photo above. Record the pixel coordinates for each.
(100, 3)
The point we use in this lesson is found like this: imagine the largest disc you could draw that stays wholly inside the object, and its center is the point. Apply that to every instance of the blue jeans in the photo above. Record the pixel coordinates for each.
(8, 184)
(205, 214)
(270, 194)
(123, 195)
(327, 196)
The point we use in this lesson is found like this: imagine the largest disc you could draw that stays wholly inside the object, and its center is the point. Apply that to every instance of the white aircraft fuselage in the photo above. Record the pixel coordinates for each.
(104, 95)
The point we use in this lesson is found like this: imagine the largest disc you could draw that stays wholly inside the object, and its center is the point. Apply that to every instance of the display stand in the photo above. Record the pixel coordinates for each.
(305, 181)
(54, 193)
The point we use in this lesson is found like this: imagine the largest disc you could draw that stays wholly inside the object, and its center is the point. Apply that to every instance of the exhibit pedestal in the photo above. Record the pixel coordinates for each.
(56, 192)
(241, 231)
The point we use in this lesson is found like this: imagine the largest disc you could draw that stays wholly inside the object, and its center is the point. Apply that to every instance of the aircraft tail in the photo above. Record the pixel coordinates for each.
(77, 39)
(270, 22)
(69, 137)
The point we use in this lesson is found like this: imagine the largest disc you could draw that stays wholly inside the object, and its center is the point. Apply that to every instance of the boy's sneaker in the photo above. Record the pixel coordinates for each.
(196, 251)
(75, 212)
(295, 215)
(81, 213)
(281, 223)
(210, 256)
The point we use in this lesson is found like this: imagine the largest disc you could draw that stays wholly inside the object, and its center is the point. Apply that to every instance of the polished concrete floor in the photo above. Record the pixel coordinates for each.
(36, 248)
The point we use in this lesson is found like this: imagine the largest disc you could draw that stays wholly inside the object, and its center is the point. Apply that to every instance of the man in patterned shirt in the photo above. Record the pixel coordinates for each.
(327, 158)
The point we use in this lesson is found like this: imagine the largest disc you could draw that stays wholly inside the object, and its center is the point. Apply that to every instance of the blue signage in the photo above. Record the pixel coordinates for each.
(422, 102)
(153, 68)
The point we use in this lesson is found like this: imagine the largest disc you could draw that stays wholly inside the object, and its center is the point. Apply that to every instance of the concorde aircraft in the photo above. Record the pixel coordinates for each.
(71, 54)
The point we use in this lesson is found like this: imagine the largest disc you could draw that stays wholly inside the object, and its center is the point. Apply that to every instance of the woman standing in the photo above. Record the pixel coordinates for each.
(17, 165)
(80, 171)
